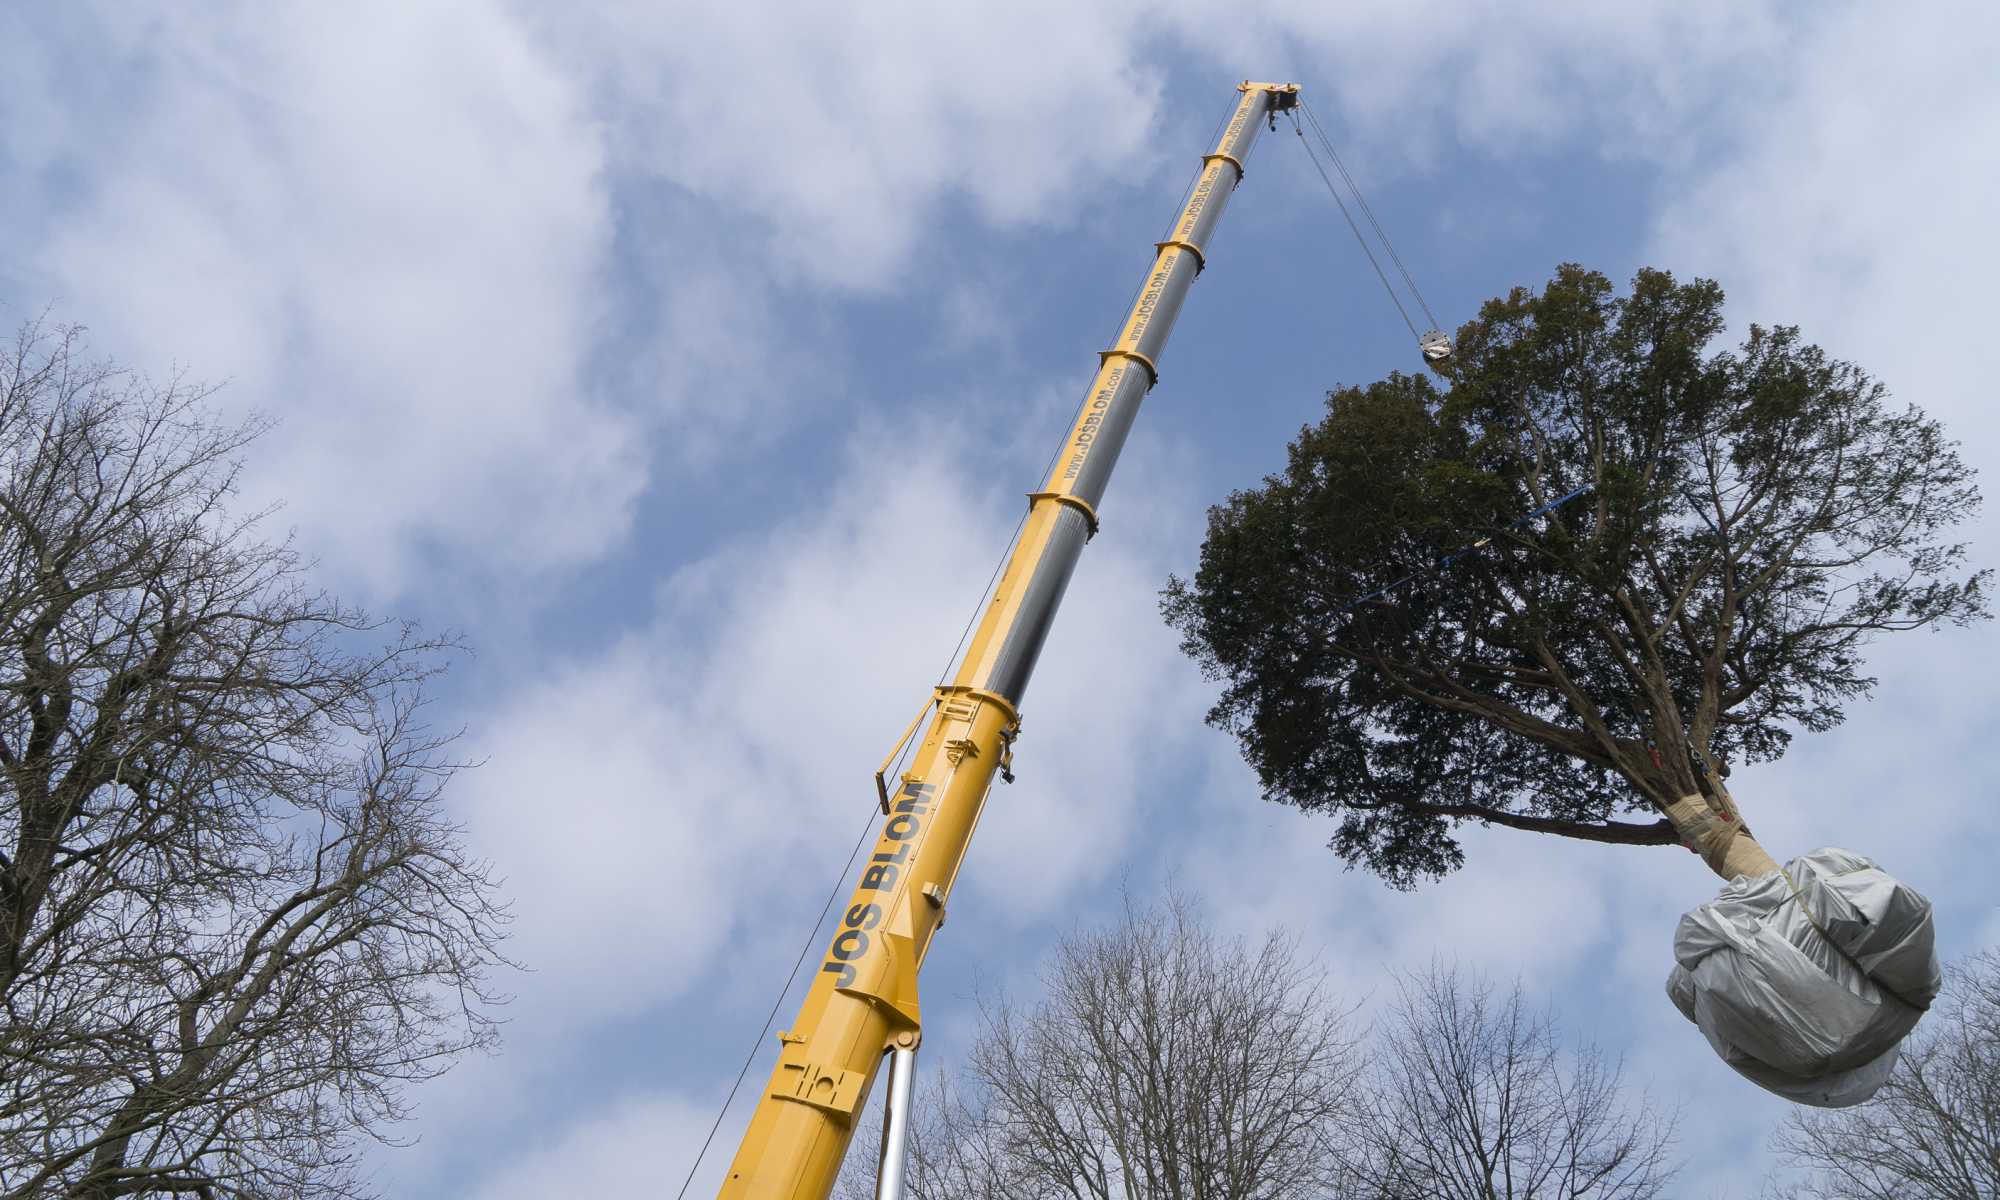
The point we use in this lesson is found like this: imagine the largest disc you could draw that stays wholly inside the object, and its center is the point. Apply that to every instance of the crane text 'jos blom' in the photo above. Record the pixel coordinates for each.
(852, 942)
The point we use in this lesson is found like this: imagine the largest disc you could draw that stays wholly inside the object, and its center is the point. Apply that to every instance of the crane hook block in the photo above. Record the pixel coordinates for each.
(1436, 348)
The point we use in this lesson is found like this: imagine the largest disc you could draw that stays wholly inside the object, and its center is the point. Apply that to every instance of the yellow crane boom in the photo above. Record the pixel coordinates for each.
(863, 1002)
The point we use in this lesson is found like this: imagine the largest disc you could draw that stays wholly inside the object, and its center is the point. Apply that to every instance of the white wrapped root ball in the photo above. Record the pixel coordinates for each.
(1807, 980)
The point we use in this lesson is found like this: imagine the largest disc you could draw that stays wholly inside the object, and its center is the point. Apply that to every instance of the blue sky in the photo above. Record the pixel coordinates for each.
(693, 360)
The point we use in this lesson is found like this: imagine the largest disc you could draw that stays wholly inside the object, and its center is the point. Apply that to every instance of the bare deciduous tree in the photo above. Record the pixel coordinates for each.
(232, 920)
(1474, 1098)
(1933, 1131)
(951, 1155)
(1165, 1064)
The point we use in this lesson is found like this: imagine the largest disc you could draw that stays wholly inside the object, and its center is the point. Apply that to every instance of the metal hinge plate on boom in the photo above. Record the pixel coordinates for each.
(828, 1089)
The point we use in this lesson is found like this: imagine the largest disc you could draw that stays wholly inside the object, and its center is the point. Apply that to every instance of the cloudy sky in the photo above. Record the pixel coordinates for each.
(693, 360)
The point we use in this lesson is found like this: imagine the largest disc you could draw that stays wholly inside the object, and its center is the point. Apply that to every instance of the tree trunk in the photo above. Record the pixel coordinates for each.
(1713, 828)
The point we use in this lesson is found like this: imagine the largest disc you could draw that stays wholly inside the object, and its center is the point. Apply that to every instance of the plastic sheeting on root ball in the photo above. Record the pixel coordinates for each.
(1807, 980)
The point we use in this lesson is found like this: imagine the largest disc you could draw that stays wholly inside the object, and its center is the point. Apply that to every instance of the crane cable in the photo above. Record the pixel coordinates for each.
(1395, 258)
(812, 940)
(1370, 214)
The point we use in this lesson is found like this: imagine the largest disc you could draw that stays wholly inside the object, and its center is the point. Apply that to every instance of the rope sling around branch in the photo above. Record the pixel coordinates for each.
(1447, 560)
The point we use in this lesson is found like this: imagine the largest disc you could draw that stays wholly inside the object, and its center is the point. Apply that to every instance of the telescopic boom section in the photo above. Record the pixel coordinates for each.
(863, 1001)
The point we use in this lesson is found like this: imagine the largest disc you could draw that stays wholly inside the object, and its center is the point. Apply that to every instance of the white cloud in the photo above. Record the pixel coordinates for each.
(696, 780)
(395, 225)
(628, 1149)
(669, 813)
(1414, 80)
(827, 138)
(840, 129)
(1859, 203)
(382, 222)
(1098, 789)
(1857, 206)
(702, 779)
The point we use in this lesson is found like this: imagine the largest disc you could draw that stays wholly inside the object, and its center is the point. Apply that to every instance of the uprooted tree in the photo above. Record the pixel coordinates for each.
(1603, 568)
(233, 922)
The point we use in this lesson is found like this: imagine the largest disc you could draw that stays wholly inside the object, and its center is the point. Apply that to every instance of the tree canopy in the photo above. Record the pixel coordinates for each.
(1605, 566)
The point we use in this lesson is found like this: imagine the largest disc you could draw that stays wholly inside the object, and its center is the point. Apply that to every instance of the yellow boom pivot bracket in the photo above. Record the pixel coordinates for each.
(881, 782)
(829, 1089)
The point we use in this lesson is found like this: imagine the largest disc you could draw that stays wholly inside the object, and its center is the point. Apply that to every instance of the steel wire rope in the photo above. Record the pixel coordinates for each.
(1370, 214)
(1335, 192)
(1452, 558)
(811, 941)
